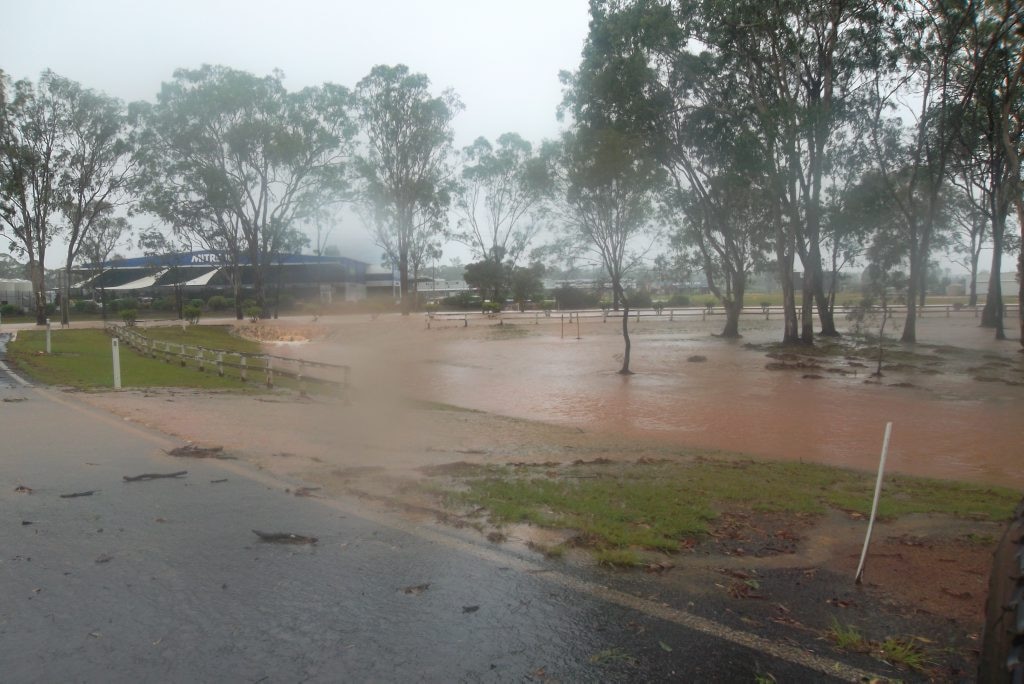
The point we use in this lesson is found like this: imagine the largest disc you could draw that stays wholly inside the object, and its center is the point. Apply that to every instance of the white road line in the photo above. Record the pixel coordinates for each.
(17, 378)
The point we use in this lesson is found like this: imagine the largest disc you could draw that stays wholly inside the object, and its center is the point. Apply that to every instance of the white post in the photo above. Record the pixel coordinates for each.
(47, 335)
(115, 348)
(874, 504)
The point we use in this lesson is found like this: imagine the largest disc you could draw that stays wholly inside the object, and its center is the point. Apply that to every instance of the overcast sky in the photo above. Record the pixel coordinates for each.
(501, 57)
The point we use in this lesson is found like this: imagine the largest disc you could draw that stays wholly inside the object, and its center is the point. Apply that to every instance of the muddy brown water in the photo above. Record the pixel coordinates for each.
(947, 425)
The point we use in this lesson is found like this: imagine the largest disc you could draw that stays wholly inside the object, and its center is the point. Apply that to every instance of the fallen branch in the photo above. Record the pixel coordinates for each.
(284, 538)
(78, 494)
(196, 451)
(154, 476)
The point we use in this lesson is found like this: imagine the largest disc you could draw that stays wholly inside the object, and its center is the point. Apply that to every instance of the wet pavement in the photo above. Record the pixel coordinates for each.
(165, 580)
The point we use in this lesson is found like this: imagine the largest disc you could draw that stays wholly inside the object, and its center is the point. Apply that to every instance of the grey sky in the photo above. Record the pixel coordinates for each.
(502, 58)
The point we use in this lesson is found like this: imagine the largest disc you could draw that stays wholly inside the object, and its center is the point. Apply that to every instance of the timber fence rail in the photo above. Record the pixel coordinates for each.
(672, 314)
(263, 368)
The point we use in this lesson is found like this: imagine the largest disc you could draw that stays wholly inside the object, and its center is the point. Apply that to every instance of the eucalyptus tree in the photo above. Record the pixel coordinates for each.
(608, 183)
(501, 197)
(99, 246)
(404, 165)
(98, 175)
(786, 71)
(234, 161)
(725, 234)
(62, 168)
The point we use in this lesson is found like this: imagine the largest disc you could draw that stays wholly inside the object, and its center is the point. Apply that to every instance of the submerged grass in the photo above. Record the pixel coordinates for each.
(619, 506)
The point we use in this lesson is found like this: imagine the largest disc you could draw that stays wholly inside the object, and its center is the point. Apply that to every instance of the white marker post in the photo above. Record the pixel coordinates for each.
(116, 349)
(874, 504)
(47, 335)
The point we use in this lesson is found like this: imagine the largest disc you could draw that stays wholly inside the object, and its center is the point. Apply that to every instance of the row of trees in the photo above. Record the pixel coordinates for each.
(820, 130)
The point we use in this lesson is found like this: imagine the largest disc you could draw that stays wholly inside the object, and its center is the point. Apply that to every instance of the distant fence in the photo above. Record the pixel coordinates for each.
(259, 367)
(703, 313)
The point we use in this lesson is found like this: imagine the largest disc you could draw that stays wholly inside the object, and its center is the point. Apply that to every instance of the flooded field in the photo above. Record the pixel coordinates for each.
(948, 423)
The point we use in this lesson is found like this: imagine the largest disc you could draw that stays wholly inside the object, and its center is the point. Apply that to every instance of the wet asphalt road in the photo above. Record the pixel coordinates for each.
(165, 581)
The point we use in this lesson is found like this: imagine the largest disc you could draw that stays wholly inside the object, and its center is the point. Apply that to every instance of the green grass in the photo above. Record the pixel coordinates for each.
(621, 506)
(904, 652)
(83, 359)
(208, 336)
(847, 637)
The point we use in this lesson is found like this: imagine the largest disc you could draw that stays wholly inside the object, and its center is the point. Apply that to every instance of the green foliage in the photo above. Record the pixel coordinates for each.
(488, 276)
(215, 134)
(253, 312)
(404, 169)
(462, 300)
(490, 307)
(129, 316)
(196, 303)
(572, 298)
(192, 313)
(218, 303)
(86, 306)
(847, 637)
(162, 304)
(639, 299)
(11, 310)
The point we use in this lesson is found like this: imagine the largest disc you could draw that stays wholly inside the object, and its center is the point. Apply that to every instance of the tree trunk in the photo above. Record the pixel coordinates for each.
(910, 324)
(992, 315)
(617, 287)
(972, 298)
(733, 310)
(807, 309)
(236, 289)
(38, 276)
(403, 282)
(65, 297)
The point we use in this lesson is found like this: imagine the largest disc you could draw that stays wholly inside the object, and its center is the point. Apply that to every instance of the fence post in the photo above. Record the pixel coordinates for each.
(270, 372)
(465, 320)
(220, 364)
(638, 315)
(47, 335)
(671, 315)
(563, 326)
(201, 359)
(182, 355)
(116, 349)
(302, 384)
(243, 369)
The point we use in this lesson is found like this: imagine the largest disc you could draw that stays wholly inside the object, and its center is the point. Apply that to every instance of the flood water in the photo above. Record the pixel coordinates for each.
(948, 425)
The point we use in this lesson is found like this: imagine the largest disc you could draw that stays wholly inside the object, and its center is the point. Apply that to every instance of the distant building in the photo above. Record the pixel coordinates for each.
(209, 272)
(16, 292)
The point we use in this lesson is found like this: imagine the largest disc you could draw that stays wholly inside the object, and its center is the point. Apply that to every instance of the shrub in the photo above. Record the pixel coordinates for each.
(571, 298)
(162, 304)
(678, 300)
(129, 316)
(122, 304)
(192, 313)
(252, 312)
(463, 300)
(196, 303)
(217, 303)
(11, 310)
(84, 306)
(490, 307)
(639, 300)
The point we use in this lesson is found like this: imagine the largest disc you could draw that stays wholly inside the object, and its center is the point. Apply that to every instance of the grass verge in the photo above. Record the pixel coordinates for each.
(83, 359)
(664, 506)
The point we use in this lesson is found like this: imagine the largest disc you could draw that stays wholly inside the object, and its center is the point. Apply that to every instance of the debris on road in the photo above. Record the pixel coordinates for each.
(416, 589)
(223, 479)
(27, 522)
(104, 558)
(22, 489)
(307, 491)
(145, 477)
(75, 495)
(196, 451)
(14, 400)
(284, 537)
(470, 609)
